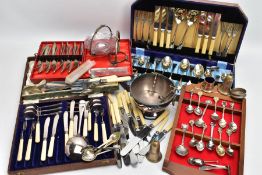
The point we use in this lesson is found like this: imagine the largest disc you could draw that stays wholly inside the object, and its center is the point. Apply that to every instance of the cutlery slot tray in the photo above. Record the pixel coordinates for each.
(103, 66)
(59, 162)
(175, 164)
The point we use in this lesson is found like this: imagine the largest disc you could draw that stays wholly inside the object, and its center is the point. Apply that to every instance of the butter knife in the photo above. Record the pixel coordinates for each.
(156, 24)
(170, 21)
(65, 119)
(201, 29)
(45, 135)
(71, 116)
(214, 27)
(210, 18)
(52, 140)
(163, 26)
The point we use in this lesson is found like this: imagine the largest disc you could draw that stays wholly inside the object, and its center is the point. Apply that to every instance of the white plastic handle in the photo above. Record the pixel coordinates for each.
(85, 127)
(20, 149)
(71, 128)
(66, 138)
(43, 152)
(104, 135)
(95, 132)
(28, 150)
(89, 121)
(51, 147)
(72, 108)
(37, 132)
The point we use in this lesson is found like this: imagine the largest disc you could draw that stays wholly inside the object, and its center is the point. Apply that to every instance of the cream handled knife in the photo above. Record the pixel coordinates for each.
(52, 140)
(45, 135)
(215, 25)
(170, 21)
(156, 25)
(37, 128)
(65, 119)
(71, 116)
(163, 26)
(75, 125)
(201, 28)
(81, 108)
(29, 143)
(210, 18)
(85, 128)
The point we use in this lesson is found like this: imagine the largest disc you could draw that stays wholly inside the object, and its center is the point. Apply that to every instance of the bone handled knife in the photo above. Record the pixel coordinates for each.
(112, 112)
(201, 29)
(170, 21)
(156, 25)
(116, 109)
(115, 79)
(136, 114)
(29, 143)
(85, 128)
(71, 116)
(65, 119)
(210, 19)
(45, 135)
(165, 131)
(52, 140)
(214, 27)
(143, 134)
(163, 26)
(37, 129)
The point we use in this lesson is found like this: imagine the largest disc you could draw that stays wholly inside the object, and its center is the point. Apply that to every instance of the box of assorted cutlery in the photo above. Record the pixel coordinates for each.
(208, 136)
(62, 134)
(57, 59)
(186, 40)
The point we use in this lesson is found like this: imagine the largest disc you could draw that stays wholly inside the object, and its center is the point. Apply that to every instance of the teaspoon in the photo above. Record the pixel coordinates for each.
(210, 143)
(189, 108)
(232, 124)
(200, 122)
(193, 141)
(200, 145)
(198, 110)
(215, 116)
(220, 149)
(222, 122)
(181, 149)
(229, 150)
(199, 162)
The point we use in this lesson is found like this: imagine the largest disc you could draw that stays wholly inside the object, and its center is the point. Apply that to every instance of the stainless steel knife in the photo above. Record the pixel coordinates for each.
(163, 26)
(71, 116)
(45, 135)
(214, 27)
(156, 25)
(170, 21)
(65, 119)
(143, 134)
(201, 29)
(52, 140)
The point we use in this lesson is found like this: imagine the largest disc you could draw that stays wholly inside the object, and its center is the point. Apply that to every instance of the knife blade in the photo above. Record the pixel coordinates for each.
(170, 21)
(163, 26)
(52, 140)
(45, 135)
(81, 108)
(142, 134)
(65, 119)
(210, 18)
(201, 29)
(156, 25)
(71, 116)
(214, 28)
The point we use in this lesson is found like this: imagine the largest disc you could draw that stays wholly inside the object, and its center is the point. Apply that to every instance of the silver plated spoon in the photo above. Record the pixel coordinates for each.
(189, 108)
(215, 116)
(222, 122)
(198, 110)
(200, 122)
(200, 145)
(210, 144)
(232, 124)
(181, 149)
(220, 149)
(229, 150)
(193, 141)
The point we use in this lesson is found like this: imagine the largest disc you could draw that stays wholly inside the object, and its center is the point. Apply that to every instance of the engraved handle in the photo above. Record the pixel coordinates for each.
(20, 149)
(162, 39)
(204, 47)
(85, 127)
(211, 48)
(104, 135)
(198, 43)
(43, 152)
(66, 138)
(71, 128)
(161, 117)
(37, 132)
(28, 149)
(168, 39)
(51, 147)
(155, 37)
(95, 132)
